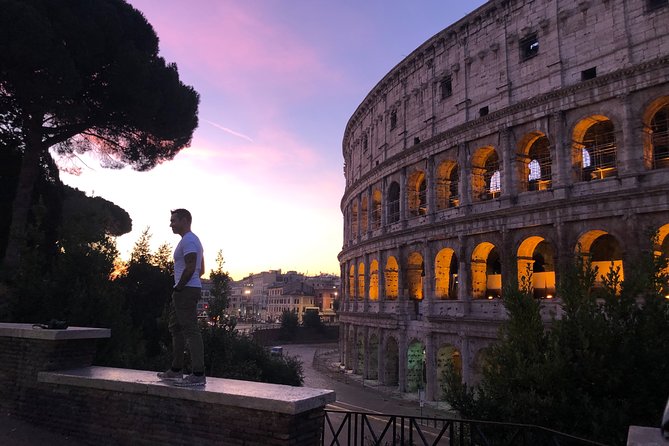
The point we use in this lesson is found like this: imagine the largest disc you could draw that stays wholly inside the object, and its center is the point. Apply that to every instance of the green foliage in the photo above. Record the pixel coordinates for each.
(600, 368)
(220, 290)
(289, 324)
(231, 355)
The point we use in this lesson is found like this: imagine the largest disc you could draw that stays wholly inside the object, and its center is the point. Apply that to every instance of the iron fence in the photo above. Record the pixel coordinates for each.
(344, 428)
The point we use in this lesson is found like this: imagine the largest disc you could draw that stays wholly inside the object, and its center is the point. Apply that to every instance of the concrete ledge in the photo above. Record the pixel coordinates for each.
(229, 392)
(27, 331)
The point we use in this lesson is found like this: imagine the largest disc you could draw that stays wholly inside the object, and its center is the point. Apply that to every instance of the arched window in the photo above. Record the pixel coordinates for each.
(363, 215)
(492, 177)
(393, 202)
(417, 194)
(538, 173)
(376, 209)
(447, 185)
(660, 138)
(595, 143)
(354, 219)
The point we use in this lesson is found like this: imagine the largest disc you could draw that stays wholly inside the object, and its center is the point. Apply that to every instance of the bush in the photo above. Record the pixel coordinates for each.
(600, 368)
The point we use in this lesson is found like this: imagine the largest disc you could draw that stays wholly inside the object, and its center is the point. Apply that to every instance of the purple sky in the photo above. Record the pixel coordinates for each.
(278, 81)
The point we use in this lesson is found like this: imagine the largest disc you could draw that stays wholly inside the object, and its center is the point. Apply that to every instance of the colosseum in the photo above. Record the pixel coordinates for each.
(521, 135)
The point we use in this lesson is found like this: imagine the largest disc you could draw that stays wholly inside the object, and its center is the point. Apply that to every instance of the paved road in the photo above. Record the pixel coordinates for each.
(351, 393)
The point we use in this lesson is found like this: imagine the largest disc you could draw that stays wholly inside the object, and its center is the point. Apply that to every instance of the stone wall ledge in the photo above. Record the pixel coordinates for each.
(28, 331)
(229, 392)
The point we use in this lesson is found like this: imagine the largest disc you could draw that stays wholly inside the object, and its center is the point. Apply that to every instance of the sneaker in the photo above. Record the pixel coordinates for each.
(191, 381)
(170, 375)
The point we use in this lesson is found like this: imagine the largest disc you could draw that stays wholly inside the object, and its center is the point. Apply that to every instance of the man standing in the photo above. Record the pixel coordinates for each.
(188, 267)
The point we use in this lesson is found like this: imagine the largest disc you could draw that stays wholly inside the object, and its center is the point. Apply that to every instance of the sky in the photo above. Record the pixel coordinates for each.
(278, 81)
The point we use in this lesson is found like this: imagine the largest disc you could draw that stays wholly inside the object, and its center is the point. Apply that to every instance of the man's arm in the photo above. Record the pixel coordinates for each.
(202, 267)
(191, 260)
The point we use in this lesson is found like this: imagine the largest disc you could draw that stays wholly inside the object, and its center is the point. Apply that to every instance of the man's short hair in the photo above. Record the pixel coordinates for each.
(183, 213)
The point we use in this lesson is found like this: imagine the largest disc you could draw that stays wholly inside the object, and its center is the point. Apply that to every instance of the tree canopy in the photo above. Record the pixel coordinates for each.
(78, 76)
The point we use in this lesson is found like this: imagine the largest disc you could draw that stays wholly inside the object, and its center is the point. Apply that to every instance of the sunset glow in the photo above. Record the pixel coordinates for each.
(278, 82)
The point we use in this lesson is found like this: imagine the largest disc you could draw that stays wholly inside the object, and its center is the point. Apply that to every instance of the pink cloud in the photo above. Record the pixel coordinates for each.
(235, 45)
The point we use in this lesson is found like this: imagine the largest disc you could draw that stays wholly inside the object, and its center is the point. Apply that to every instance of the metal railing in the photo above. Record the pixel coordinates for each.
(344, 428)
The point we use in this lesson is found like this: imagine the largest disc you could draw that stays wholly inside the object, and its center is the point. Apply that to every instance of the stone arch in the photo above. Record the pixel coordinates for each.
(486, 174)
(447, 185)
(447, 354)
(391, 371)
(393, 202)
(374, 280)
(351, 350)
(536, 171)
(351, 282)
(391, 275)
(364, 220)
(373, 355)
(604, 251)
(415, 275)
(594, 148)
(417, 193)
(360, 356)
(486, 272)
(445, 274)
(656, 134)
(376, 209)
(480, 359)
(536, 257)
(416, 378)
(354, 218)
(361, 281)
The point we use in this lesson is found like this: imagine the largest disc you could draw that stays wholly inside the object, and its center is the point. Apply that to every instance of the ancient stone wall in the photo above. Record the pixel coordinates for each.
(518, 136)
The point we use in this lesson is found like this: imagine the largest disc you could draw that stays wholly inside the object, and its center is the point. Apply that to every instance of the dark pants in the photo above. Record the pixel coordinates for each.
(184, 328)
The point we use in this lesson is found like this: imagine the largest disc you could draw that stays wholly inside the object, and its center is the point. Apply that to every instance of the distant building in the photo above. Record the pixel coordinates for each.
(264, 296)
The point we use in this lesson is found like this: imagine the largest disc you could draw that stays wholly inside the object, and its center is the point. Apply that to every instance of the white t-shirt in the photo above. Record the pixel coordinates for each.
(189, 243)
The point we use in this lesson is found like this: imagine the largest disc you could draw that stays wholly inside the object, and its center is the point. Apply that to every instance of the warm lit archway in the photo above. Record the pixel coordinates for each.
(486, 272)
(415, 275)
(393, 213)
(361, 281)
(536, 259)
(364, 220)
(536, 170)
(594, 148)
(486, 175)
(662, 247)
(351, 282)
(374, 280)
(656, 128)
(604, 252)
(417, 193)
(446, 274)
(376, 209)
(391, 278)
(447, 185)
(354, 219)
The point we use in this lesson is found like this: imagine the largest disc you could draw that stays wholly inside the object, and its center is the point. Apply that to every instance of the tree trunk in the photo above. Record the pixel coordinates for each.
(30, 167)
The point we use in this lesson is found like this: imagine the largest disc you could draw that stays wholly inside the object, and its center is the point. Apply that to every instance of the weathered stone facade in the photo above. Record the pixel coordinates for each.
(523, 133)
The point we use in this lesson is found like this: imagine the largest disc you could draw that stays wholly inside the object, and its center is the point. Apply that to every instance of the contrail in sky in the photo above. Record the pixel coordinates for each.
(230, 131)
